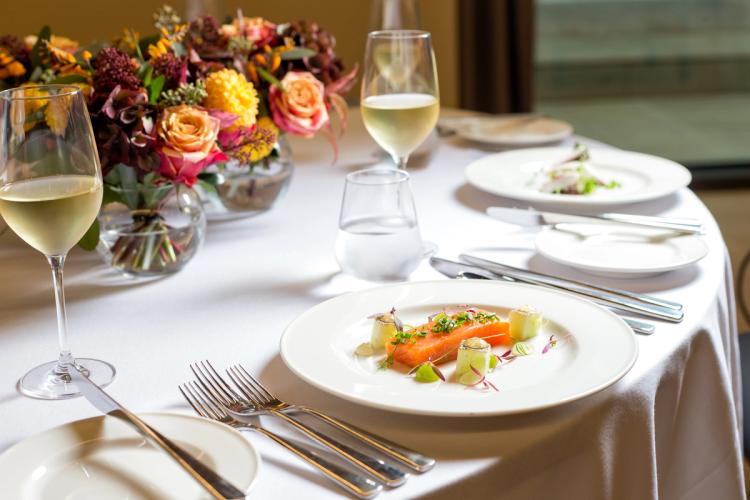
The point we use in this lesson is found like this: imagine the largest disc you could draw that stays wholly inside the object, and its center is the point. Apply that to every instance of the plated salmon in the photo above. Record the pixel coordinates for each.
(438, 340)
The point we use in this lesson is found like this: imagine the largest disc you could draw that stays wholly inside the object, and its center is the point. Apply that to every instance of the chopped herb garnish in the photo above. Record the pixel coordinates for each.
(446, 324)
(386, 362)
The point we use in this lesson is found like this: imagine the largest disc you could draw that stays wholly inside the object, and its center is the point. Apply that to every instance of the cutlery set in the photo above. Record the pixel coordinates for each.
(238, 400)
(622, 301)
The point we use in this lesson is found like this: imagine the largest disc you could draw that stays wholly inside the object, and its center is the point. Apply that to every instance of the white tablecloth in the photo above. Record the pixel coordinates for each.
(669, 429)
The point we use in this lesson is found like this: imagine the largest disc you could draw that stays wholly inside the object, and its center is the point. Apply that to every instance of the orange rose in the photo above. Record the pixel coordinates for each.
(300, 108)
(189, 136)
(188, 132)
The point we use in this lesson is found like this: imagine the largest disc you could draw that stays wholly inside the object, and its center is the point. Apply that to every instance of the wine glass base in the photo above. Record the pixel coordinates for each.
(44, 382)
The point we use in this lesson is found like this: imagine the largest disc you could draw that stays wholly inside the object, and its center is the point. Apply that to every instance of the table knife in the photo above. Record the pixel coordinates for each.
(529, 217)
(213, 483)
(459, 270)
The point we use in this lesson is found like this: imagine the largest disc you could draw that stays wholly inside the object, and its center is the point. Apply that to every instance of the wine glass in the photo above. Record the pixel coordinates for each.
(50, 194)
(400, 100)
(395, 15)
(379, 238)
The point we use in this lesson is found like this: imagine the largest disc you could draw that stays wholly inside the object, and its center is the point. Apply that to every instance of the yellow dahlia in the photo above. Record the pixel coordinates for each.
(261, 143)
(229, 91)
(56, 114)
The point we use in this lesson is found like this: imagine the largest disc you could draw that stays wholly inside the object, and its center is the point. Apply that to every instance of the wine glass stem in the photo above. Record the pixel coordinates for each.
(401, 161)
(56, 262)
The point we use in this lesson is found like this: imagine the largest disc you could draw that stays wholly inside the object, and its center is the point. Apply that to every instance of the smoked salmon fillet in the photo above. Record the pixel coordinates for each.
(438, 340)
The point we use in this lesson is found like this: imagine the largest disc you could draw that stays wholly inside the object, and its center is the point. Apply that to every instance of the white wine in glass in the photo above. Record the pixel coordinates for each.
(50, 194)
(400, 100)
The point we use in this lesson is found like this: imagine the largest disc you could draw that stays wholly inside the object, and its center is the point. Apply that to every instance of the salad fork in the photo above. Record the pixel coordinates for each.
(206, 406)
(262, 398)
(237, 406)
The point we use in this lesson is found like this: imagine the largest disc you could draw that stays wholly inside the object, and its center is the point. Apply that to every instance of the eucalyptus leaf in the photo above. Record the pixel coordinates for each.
(129, 185)
(36, 51)
(89, 240)
(296, 53)
(179, 49)
(36, 74)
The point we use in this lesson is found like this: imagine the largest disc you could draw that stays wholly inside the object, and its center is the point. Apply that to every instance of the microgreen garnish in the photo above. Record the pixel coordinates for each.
(552, 343)
(386, 362)
(486, 384)
(445, 323)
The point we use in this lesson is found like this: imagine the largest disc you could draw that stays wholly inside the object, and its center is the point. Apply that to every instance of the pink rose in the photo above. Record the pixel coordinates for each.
(187, 142)
(255, 29)
(300, 108)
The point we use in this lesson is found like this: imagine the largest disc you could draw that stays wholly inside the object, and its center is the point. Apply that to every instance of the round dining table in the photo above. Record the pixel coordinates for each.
(671, 428)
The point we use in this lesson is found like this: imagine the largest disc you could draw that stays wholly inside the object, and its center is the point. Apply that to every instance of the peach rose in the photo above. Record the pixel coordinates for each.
(300, 108)
(188, 136)
(255, 29)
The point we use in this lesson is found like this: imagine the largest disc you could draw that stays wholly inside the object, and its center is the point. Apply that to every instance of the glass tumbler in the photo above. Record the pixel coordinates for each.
(378, 238)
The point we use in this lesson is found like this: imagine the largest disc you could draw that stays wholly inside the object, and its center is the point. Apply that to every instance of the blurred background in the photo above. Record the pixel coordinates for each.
(667, 77)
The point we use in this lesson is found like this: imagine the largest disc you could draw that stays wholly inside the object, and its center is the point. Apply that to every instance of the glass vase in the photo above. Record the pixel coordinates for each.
(248, 190)
(151, 231)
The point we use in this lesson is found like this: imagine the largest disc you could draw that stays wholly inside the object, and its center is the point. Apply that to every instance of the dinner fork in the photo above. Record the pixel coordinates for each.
(263, 398)
(236, 404)
(207, 406)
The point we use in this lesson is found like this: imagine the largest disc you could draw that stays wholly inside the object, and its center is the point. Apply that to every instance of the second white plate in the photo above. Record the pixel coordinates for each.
(596, 348)
(514, 174)
(616, 250)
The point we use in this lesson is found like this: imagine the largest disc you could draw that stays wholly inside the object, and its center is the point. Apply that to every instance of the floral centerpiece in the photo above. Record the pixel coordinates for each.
(177, 108)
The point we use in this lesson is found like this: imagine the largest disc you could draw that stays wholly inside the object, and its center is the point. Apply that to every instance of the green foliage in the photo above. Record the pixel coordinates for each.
(38, 49)
(191, 94)
(296, 53)
(155, 88)
(69, 79)
(269, 77)
(89, 240)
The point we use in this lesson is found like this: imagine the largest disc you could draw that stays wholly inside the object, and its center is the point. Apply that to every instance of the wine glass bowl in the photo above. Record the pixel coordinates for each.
(50, 194)
(400, 100)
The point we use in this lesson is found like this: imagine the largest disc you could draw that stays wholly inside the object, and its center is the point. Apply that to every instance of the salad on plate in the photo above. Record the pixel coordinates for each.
(575, 175)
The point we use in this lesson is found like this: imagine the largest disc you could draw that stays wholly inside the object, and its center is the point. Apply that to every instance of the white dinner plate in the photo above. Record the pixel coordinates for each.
(515, 174)
(617, 250)
(510, 130)
(595, 349)
(104, 458)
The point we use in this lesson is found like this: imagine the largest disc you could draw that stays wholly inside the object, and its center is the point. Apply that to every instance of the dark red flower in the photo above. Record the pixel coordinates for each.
(173, 68)
(113, 68)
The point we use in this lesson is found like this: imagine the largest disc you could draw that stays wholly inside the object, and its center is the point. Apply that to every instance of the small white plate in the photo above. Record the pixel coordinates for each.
(510, 130)
(514, 174)
(617, 250)
(595, 349)
(103, 458)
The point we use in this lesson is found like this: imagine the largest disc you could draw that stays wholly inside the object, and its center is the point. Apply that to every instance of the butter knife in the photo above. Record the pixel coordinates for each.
(529, 217)
(217, 486)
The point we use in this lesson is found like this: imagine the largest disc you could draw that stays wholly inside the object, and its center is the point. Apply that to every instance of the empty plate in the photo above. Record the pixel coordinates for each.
(510, 130)
(617, 250)
(102, 457)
